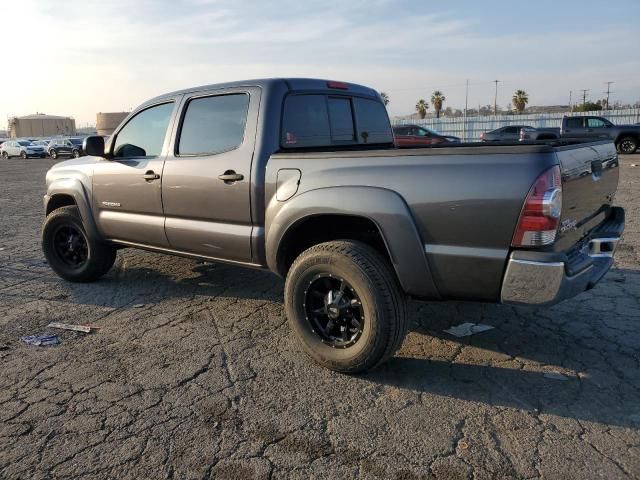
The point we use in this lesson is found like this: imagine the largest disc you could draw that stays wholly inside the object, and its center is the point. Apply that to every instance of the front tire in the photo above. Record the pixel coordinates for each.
(5, 155)
(69, 250)
(23, 155)
(345, 306)
(627, 145)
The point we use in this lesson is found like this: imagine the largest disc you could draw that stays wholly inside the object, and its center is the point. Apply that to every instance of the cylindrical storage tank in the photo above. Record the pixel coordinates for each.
(106, 122)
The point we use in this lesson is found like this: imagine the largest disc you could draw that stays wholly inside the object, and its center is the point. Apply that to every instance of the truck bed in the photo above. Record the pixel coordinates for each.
(465, 198)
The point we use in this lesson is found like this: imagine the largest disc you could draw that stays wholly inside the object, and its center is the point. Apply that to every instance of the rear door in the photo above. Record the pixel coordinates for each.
(206, 181)
(574, 127)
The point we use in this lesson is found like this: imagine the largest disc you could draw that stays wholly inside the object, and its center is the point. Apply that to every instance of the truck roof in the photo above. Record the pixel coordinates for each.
(291, 83)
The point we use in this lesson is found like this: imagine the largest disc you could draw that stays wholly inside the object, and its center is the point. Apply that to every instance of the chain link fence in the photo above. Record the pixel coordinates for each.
(469, 129)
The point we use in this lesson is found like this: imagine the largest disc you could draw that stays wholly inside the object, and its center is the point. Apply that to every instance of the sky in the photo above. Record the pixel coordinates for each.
(80, 57)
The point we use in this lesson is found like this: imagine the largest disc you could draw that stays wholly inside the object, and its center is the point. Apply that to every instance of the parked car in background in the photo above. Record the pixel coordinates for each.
(65, 147)
(42, 143)
(503, 134)
(625, 137)
(408, 136)
(21, 148)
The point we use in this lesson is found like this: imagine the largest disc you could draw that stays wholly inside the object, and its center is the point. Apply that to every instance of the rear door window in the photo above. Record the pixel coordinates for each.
(213, 124)
(574, 122)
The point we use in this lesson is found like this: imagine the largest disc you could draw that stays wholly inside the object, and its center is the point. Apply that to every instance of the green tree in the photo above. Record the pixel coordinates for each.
(520, 100)
(421, 108)
(437, 99)
(588, 107)
(385, 98)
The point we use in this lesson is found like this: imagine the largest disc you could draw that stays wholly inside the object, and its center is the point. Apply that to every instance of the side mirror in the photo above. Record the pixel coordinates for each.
(94, 146)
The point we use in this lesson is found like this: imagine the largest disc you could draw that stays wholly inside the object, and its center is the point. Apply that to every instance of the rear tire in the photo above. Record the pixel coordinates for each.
(69, 250)
(23, 155)
(75, 154)
(5, 155)
(371, 293)
(53, 154)
(627, 145)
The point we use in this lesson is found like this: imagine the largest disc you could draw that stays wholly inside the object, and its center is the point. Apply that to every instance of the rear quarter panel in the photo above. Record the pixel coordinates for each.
(465, 202)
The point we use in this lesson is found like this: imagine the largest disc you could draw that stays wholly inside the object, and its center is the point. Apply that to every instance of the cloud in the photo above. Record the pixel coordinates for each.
(111, 55)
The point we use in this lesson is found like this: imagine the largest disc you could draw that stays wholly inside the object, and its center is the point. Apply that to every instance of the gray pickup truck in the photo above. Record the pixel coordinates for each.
(302, 177)
(625, 137)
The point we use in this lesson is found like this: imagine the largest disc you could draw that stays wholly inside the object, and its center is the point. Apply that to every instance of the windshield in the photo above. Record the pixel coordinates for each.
(25, 144)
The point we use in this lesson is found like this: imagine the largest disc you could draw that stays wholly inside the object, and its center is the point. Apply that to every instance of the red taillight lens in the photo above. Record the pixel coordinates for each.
(482, 136)
(540, 215)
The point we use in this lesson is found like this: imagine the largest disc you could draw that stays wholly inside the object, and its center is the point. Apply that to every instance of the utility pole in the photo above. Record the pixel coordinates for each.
(608, 92)
(466, 104)
(495, 99)
(584, 95)
(570, 106)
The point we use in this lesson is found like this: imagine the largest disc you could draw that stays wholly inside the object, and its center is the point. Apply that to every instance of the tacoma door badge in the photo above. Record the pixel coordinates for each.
(111, 204)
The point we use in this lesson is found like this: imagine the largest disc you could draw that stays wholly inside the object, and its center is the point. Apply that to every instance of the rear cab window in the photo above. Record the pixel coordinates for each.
(329, 120)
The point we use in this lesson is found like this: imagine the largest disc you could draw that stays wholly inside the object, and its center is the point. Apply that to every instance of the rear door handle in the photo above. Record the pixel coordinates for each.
(150, 175)
(230, 176)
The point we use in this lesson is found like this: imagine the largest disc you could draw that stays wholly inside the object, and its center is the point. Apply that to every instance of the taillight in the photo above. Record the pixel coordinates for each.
(540, 215)
(482, 136)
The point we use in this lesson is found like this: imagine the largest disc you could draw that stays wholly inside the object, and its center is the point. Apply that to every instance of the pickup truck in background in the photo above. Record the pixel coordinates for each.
(625, 137)
(302, 177)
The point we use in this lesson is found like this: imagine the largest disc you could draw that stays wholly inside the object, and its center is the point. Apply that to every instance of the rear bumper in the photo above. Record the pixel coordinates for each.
(545, 278)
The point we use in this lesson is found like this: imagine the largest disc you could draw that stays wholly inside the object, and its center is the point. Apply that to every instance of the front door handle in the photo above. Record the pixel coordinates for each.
(150, 175)
(230, 176)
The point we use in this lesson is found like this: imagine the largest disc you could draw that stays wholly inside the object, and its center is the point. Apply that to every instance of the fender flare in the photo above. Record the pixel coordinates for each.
(74, 188)
(383, 207)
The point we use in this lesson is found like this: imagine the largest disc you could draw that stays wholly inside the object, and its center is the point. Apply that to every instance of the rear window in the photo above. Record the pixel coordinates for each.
(316, 120)
(373, 123)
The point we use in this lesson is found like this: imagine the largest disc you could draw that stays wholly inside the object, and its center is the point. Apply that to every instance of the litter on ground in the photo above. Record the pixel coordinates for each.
(40, 340)
(466, 329)
(67, 326)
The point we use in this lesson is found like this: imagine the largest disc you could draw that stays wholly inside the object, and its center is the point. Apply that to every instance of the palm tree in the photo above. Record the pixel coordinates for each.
(437, 98)
(385, 98)
(520, 100)
(421, 108)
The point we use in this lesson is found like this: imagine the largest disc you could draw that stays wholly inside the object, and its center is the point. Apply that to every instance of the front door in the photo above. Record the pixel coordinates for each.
(127, 188)
(207, 175)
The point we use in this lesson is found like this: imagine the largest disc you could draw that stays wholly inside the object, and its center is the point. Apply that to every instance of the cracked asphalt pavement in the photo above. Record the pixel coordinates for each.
(193, 373)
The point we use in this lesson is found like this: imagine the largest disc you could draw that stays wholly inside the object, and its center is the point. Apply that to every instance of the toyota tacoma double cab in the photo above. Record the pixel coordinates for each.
(625, 137)
(301, 177)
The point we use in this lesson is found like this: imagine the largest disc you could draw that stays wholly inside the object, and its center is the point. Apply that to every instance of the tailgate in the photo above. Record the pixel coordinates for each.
(589, 183)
